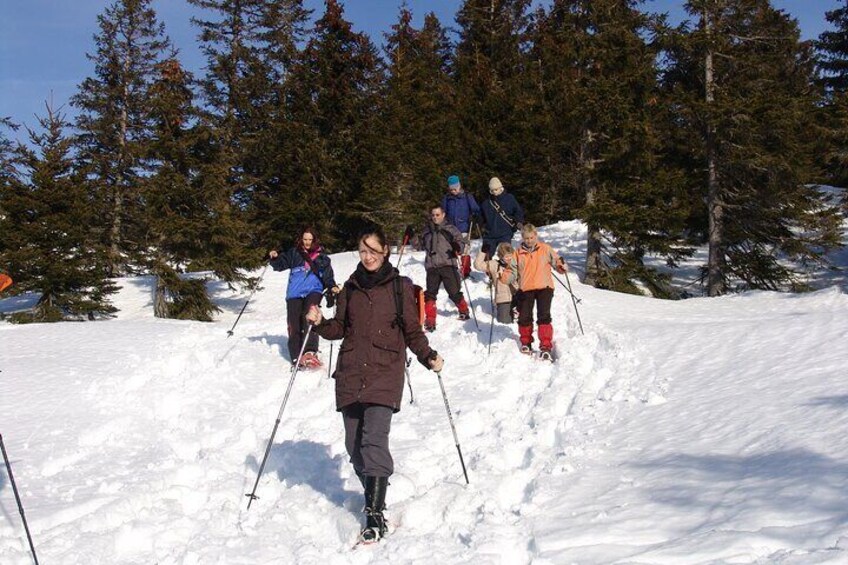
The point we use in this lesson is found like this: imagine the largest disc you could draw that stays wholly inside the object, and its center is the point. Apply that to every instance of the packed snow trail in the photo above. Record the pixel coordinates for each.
(695, 431)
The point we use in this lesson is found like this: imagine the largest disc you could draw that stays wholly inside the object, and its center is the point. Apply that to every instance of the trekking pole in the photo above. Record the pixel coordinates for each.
(18, 499)
(453, 428)
(252, 496)
(407, 234)
(574, 299)
(494, 314)
(409, 381)
(330, 360)
(255, 286)
(470, 304)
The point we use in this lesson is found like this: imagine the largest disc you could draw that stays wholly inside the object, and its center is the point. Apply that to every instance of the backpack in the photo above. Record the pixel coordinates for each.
(417, 292)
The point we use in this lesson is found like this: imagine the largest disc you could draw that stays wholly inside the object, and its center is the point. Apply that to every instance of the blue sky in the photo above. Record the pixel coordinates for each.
(43, 43)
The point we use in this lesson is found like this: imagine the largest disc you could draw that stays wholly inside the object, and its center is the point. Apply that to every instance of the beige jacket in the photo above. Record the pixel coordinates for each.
(503, 292)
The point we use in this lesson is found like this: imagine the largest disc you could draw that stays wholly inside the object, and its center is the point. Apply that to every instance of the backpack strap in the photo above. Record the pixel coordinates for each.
(399, 305)
(348, 290)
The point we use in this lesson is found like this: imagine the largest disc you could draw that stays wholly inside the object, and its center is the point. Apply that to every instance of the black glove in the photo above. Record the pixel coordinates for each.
(331, 298)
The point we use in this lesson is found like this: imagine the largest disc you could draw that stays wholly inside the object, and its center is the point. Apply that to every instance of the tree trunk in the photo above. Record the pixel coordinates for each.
(160, 304)
(715, 206)
(594, 260)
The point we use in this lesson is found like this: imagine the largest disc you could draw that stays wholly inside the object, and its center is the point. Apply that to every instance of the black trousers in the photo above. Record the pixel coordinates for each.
(542, 298)
(367, 429)
(296, 309)
(449, 276)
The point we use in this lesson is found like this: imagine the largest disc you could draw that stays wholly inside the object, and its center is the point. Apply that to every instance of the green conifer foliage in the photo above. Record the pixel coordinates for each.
(278, 206)
(832, 54)
(334, 108)
(490, 70)
(601, 122)
(179, 218)
(416, 141)
(832, 47)
(112, 125)
(744, 91)
(46, 242)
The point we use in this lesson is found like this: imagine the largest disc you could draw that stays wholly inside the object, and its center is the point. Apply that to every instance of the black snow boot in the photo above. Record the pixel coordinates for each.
(375, 503)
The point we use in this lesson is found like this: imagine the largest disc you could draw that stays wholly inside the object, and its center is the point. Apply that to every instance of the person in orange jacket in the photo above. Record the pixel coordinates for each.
(531, 268)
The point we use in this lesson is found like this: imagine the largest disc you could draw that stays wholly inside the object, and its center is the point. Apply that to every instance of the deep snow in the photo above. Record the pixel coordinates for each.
(696, 431)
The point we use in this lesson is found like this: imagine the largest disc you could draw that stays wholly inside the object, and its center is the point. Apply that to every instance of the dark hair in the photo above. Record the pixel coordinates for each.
(377, 233)
(307, 229)
(439, 206)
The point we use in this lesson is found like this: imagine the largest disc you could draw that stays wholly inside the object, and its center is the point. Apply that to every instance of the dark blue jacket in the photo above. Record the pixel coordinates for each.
(496, 225)
(459, 209)
(304, 278)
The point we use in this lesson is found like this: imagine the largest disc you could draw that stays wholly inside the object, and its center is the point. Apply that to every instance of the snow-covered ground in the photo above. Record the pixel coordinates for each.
(696, 431)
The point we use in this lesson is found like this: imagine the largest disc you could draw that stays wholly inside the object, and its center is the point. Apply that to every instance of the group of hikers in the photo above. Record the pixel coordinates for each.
(370, 307)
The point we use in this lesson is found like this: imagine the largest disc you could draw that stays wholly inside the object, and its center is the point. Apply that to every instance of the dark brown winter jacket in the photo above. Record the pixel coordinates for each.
(370, 366)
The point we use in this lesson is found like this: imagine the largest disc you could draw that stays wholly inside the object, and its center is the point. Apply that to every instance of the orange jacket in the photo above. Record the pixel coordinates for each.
(531, 268)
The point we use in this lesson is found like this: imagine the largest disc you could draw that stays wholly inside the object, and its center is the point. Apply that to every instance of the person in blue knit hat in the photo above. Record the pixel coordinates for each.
(460, 210)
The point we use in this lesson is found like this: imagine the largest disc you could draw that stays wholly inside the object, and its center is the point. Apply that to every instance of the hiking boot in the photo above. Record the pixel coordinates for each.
(464, 316)
(546, 355)
(526, 350)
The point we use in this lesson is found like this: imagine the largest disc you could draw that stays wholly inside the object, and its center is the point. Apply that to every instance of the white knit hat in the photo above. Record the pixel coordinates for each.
(495, 186)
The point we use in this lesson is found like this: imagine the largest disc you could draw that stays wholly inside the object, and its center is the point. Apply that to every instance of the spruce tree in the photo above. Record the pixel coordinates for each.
(596, 80)
(490, 70)
(743, 86)
(333, 105)
(416, 143)
(249, 46)
(178, 214)
(278, 207)
(112, 125)
(832, 56)
(46, 241)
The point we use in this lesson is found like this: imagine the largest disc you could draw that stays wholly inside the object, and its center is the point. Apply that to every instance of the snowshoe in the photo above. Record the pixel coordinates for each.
(464, 316)
(310, 361)
(430, 328)
(526, 350)
(546, 355)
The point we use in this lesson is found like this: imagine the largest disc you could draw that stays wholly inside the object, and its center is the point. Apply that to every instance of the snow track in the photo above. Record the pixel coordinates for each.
(134, 441)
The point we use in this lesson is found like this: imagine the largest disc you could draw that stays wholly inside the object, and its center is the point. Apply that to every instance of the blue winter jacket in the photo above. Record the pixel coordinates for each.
(304, 278)
(459, 209)
(496, 225)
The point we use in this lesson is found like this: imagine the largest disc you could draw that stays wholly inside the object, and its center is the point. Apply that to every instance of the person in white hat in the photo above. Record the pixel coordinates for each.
(502, 215)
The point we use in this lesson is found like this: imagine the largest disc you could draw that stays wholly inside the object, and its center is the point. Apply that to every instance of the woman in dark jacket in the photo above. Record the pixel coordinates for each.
(311, 273)
(370, 368)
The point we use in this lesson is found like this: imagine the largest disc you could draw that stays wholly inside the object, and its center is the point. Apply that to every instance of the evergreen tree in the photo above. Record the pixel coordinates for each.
(46, 240)
(832, 54)
(250, 46)
(9, 171)
(278, 206)
(832, 47)
(603, 137)
(112, 125)
(743, 87)
(491, 80)
(334, 108)
(417, 137)
(179, 218)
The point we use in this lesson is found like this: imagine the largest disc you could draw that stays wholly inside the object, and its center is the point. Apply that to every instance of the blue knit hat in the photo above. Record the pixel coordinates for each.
(452, 180)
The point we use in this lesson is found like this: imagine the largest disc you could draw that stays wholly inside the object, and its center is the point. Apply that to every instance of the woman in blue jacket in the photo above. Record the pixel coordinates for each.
(311, 274)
